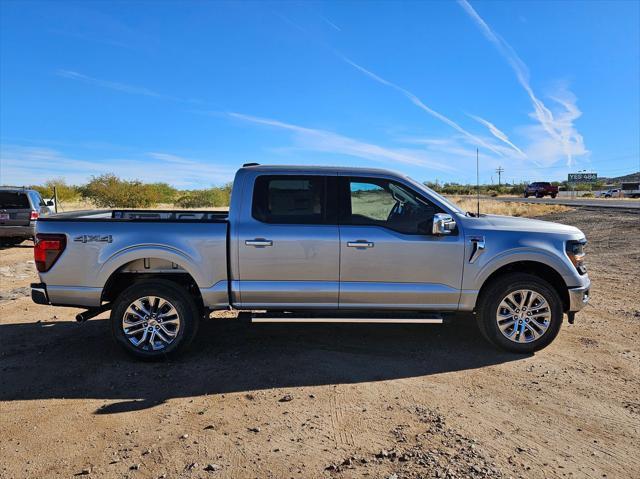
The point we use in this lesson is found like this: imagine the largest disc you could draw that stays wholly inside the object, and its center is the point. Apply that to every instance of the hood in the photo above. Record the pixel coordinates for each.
(515, 224)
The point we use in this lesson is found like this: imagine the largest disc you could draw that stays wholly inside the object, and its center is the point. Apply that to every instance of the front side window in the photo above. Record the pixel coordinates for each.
(380, 202)
(291, 200)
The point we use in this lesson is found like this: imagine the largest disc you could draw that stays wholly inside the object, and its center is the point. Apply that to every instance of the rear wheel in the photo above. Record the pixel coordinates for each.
(154, 319)
(526, 195)
(553, 196)
(520, 312)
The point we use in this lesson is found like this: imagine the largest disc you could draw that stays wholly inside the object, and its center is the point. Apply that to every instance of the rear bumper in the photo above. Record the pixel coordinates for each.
(17, 231)
(579, 297)
(39, 293)
(73, 296)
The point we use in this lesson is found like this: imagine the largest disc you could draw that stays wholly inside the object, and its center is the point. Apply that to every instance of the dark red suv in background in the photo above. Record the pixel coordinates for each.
(540, 189)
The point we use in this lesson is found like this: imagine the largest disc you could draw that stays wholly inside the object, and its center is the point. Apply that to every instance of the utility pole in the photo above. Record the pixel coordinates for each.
(499, 170)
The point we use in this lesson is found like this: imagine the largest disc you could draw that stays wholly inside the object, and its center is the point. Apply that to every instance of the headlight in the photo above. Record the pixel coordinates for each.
(575, 252)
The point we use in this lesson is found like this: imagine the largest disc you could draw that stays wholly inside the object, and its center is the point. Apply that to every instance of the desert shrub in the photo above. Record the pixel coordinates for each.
(196, 199)
(457, 189)
(517, 189)
(588, 194)
(218, 196)
(65, 192)
(109, 191)
(163, 192)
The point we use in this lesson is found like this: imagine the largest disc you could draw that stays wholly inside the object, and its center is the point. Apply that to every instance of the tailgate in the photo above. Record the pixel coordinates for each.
(15, 209)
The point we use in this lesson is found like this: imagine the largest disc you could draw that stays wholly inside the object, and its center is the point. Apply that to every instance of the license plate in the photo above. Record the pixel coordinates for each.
(4, 216)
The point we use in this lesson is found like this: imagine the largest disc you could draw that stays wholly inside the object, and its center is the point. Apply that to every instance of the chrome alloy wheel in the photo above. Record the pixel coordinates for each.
(151, 323)
(523, 316)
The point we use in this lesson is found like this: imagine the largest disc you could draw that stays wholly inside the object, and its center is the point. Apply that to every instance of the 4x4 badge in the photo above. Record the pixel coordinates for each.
(93, 239)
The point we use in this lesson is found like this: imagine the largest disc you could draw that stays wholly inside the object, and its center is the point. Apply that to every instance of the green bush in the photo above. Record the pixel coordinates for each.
(109, 191)
(163, 192)
(517, 189)
(65, 192)
(211, 197)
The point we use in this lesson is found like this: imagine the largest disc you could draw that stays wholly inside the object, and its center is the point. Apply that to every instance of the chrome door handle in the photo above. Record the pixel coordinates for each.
(259, 242)
(359, 244)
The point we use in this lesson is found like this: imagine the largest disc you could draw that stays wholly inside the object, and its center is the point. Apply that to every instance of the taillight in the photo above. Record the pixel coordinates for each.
(34, 215)
(47, 250)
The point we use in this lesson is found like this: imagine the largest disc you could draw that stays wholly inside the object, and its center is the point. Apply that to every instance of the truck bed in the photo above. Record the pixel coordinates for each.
(100, 243)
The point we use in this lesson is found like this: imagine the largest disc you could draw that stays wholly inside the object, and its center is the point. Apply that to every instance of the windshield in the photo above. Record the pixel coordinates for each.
(448, 203)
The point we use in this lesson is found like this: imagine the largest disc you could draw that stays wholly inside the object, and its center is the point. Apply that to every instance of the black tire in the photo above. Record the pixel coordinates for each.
(492, 296)
(526, 195)
(188, 313)
(11, 241)
(553, 196)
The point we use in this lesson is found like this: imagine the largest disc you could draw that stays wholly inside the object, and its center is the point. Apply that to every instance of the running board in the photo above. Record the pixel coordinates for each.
(389, 319)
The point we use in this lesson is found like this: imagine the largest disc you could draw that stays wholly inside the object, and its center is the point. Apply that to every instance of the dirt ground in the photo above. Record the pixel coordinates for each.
(334, 401)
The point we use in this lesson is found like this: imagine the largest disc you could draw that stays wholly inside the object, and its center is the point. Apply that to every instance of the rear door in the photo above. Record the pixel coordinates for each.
(15, 208)
(288, 245)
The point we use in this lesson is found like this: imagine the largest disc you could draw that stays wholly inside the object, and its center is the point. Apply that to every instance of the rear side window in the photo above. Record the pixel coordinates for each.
(13, 200)
(37, 199)
(290, 199)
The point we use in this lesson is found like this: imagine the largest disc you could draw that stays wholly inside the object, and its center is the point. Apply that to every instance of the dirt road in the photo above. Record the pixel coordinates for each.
(329, 401)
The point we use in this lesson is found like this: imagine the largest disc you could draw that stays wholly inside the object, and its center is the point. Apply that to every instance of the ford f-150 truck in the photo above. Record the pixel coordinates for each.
(313, 244)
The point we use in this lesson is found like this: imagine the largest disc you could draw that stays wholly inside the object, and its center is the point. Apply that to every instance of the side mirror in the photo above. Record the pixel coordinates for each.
(49, 203)
(443, 224)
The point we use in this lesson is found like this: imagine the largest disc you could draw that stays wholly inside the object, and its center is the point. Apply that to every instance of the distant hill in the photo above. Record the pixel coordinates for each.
(622, 179)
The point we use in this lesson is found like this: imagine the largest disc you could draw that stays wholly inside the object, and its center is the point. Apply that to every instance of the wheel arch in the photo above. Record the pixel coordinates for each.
(128, 273)
(536, 268)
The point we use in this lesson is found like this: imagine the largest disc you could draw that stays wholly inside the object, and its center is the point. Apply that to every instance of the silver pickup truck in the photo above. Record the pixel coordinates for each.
(313, 244)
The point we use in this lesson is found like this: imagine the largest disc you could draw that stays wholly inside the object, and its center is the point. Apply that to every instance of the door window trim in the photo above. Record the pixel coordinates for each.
(329, 199)
(344, 206)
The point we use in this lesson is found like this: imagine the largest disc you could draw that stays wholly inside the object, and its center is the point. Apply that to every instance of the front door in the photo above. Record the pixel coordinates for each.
(288, 246)
(389, 258)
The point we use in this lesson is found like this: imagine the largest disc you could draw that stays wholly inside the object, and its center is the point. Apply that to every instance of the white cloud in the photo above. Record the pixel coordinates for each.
(416, 101)
(329, 142)
(121, 87)
(557, 124)
(500, 135)
(25, 165)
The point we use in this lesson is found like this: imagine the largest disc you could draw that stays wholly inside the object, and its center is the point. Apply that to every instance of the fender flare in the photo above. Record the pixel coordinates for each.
(112, 264)
(522, 255)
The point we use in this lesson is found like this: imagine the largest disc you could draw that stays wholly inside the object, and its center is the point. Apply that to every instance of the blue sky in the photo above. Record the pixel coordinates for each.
(187, 92)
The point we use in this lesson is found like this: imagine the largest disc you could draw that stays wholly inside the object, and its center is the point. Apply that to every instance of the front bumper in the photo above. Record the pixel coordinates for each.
(579, 297)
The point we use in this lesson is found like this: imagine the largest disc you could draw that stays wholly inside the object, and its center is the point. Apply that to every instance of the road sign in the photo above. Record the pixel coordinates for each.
(582, 177)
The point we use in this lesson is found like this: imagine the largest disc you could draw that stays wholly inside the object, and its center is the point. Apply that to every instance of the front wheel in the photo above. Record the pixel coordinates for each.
(520, 312)
(553, 196)
(154, 319)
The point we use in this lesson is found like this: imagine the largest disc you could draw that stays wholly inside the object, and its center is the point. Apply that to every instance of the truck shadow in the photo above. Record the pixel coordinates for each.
(50, 360)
